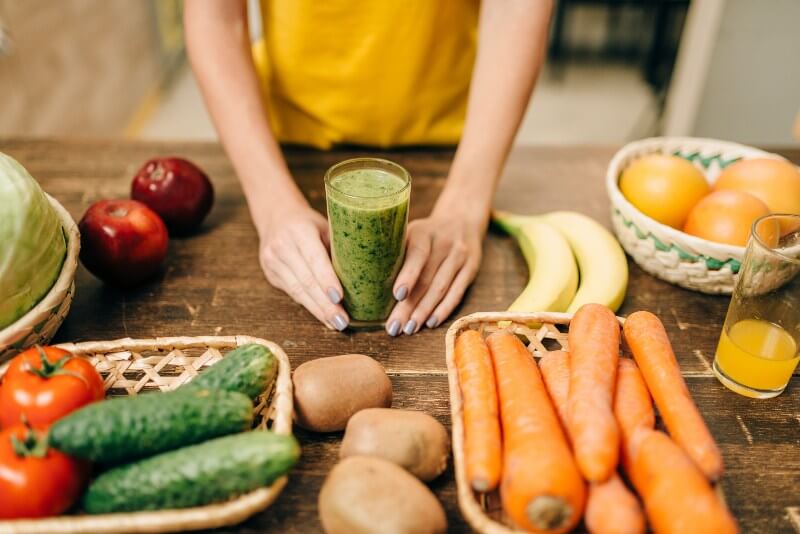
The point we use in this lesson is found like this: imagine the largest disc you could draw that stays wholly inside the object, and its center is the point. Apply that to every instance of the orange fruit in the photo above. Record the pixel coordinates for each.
(665, 188)
(769, 230)
(726, 217)
(776, 182)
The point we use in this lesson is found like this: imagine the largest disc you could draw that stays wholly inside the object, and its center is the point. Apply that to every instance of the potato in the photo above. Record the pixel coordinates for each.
(327, 391)
(364, 494)
(413, 440)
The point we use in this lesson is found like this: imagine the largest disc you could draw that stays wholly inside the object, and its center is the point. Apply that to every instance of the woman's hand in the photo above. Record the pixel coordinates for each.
(443, 254)
(294, 257)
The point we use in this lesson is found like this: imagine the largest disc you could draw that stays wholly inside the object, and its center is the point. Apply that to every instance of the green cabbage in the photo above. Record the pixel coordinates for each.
(32, 242)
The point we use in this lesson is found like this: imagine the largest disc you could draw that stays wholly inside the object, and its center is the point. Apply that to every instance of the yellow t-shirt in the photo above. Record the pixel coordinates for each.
(372, 72)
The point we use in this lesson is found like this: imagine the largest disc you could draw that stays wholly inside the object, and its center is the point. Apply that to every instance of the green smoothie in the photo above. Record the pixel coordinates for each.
(368, 213)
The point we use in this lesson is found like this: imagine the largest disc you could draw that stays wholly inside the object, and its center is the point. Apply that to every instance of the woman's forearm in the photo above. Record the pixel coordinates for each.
(511, 41)
(219, 50)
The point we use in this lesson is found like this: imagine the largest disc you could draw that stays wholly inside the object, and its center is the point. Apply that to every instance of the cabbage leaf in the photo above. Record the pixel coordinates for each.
(32, 242)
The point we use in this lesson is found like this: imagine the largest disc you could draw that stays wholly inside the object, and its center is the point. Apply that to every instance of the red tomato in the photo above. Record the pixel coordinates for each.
(36, 481)
(43, 384)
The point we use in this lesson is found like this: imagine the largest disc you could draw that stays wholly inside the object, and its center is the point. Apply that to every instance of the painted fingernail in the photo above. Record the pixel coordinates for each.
(431, 322)
(401, 293)
(410, 327)
(339, 322)
(334, 295)
(394, 328)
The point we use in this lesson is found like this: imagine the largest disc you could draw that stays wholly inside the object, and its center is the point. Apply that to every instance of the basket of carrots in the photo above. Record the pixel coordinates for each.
(554, 426)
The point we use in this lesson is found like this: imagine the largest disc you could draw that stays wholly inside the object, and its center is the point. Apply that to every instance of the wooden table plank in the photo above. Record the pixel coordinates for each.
(213, 284)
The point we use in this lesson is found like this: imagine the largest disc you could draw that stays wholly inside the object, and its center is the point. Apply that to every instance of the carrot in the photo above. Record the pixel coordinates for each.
(610, 506)
(651, 348)
(633, 406)
(677, 496)
(482, 442)
(555, 372)
(594, 353)
(541, 488)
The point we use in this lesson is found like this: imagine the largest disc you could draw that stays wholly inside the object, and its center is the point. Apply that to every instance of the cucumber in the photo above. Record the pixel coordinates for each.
(127, 428)
(249, 369)
(213, 471)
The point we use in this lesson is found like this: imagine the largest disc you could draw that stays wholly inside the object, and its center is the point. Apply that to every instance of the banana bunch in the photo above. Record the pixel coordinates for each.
(572, 260)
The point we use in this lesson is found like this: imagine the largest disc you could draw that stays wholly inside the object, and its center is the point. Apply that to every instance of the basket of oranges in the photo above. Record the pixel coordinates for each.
(683, 207)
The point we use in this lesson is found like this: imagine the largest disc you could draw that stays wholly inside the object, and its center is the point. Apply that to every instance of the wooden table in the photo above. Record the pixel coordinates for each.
(213, 285)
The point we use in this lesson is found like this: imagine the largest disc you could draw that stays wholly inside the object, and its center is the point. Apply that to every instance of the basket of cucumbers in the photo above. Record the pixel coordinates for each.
(144, 435)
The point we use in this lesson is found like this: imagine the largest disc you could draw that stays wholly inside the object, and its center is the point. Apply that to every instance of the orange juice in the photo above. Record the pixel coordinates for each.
(758, 355)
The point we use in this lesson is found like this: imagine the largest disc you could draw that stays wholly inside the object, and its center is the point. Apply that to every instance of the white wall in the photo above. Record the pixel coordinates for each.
(749, 87)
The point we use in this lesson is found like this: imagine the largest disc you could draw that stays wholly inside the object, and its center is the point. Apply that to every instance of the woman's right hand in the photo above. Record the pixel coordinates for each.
(294, 256)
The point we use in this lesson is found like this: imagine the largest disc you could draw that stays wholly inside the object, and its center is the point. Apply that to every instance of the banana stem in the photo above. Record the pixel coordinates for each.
(509, 222)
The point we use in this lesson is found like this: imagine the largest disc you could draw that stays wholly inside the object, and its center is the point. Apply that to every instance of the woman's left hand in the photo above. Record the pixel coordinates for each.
(443, 254)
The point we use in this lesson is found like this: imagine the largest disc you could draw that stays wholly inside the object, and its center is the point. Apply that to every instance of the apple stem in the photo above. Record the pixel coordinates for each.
(157, 174)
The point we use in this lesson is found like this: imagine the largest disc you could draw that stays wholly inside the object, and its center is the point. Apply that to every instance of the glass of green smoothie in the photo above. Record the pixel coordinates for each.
(368, 212)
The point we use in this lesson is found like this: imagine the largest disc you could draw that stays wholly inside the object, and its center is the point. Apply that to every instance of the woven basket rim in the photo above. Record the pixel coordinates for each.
(718, 251)
(201, 517)
(65, 277)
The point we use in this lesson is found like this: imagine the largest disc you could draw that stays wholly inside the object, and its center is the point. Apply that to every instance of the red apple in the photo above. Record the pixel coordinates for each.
(177, 190)
(123, 242)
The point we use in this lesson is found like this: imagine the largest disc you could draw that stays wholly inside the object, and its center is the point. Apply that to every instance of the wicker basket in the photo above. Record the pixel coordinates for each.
(661, 250)
(130, 366)
(39, 325)
(483, 511)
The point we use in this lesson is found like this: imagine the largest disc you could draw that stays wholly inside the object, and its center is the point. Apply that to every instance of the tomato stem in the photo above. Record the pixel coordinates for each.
(30, 445)
(56, 368)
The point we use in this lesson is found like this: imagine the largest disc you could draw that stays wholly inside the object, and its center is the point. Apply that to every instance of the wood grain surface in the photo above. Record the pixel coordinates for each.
(213, 285)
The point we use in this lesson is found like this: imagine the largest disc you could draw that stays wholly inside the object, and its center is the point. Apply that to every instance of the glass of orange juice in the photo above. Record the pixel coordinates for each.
(758, 349)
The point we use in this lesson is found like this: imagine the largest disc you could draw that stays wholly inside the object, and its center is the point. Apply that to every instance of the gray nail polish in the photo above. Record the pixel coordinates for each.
(394, 328)
(401, 293)
(431, 322)
(334, 295)
(339, 322)
(410, 327)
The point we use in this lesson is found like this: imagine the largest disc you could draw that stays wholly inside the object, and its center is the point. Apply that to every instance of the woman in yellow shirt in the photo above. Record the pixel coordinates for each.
(378, 73)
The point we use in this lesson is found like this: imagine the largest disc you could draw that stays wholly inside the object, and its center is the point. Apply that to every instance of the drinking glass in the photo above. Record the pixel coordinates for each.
(758, 349)
(367, 201)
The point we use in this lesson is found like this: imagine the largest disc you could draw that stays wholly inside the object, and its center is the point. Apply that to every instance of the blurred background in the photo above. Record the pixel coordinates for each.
(616, 70)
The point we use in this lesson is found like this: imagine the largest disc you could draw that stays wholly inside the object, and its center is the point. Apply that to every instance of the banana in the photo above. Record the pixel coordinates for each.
(553, 275)
(601, 260)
